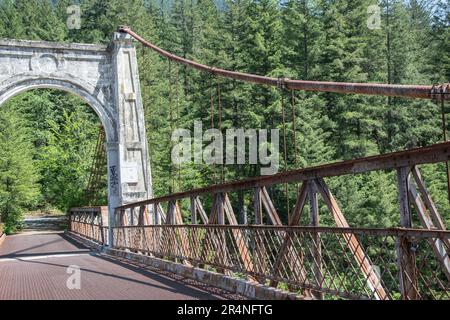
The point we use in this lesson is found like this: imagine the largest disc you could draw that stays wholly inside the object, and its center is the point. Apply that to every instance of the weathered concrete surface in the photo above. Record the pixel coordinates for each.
(35, 267)
(107, 78)
(245, 288)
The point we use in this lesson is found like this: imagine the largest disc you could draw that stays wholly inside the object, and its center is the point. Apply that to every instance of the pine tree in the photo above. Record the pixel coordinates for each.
(10, 20)
(67, 160)
(439, 47)
(18, 174)
(34, 20)
(342, 47)
(301, 31)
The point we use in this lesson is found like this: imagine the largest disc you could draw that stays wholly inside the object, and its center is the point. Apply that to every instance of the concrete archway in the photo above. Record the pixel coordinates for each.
(106, 118)
(107, 78)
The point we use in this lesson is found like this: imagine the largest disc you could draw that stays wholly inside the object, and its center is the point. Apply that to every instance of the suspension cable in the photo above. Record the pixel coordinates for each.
(211, 100)
(177, 93)
(407, 91)
(294, 131)
(283, 109)
(219, 98)
(444, 136)
(294, 127)
(171, 122)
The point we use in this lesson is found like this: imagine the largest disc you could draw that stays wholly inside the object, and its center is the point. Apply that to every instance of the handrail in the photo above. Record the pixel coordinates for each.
(88, 222)
(426, 155)
(288, 255)
(398, 232)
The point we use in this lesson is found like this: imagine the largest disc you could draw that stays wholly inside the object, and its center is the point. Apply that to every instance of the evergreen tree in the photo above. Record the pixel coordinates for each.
(439, 46)
(18, 175)
(67, 160)
(301, 32)
(32, 20)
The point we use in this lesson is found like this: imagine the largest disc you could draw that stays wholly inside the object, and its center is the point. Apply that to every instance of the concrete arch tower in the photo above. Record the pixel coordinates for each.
(107, 78)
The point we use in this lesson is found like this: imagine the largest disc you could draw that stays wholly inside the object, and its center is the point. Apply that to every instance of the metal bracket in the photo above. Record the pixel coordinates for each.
(281, 83)
(123, 28)
(440, 92)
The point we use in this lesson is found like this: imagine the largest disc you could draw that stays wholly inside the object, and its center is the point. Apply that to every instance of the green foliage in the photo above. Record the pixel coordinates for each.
(67, 159)
(18, 174)
(64, 131)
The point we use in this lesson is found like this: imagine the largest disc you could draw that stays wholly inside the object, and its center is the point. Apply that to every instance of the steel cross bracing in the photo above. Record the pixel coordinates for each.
(97, 179)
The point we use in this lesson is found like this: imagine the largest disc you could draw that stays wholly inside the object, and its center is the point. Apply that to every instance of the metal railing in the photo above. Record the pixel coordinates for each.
(320, 262)
(313, 261)
(340, 262)
(89, 223)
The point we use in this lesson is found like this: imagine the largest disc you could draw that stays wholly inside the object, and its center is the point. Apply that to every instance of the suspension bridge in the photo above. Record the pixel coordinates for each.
(148, 245)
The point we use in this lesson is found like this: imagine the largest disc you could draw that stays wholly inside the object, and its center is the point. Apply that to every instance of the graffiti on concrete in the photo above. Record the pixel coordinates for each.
(114, 180)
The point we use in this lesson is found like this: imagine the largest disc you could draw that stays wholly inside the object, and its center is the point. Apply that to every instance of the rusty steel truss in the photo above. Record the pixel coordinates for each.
(426, 155)
(90, 223)
(254, 252)
(300, 258)
(96, 184)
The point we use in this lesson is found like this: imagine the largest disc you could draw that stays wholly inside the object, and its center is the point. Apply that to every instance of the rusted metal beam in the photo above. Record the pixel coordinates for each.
(258, 207)
(157, 216)
(220, 198)
(286, 247)
(436, 217)
(239, 236)
(406, 91)
(161, 213)
(288, 253)
(270, 208)
(220, 239)
(259, 263)
(432, 154)
(170, 218)
(430, 218)
(405, 250)
(174, 217)
(438, 246)
(314, 220)
(182, 233)
(193, 211)
(299, 205)
(365, 265)
(393, 232)
(201, 211)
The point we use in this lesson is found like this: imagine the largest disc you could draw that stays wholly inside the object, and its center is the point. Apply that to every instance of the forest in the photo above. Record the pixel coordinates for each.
(48, 138)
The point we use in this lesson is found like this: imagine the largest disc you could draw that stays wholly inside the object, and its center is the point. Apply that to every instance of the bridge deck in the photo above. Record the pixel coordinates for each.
(34, 266)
